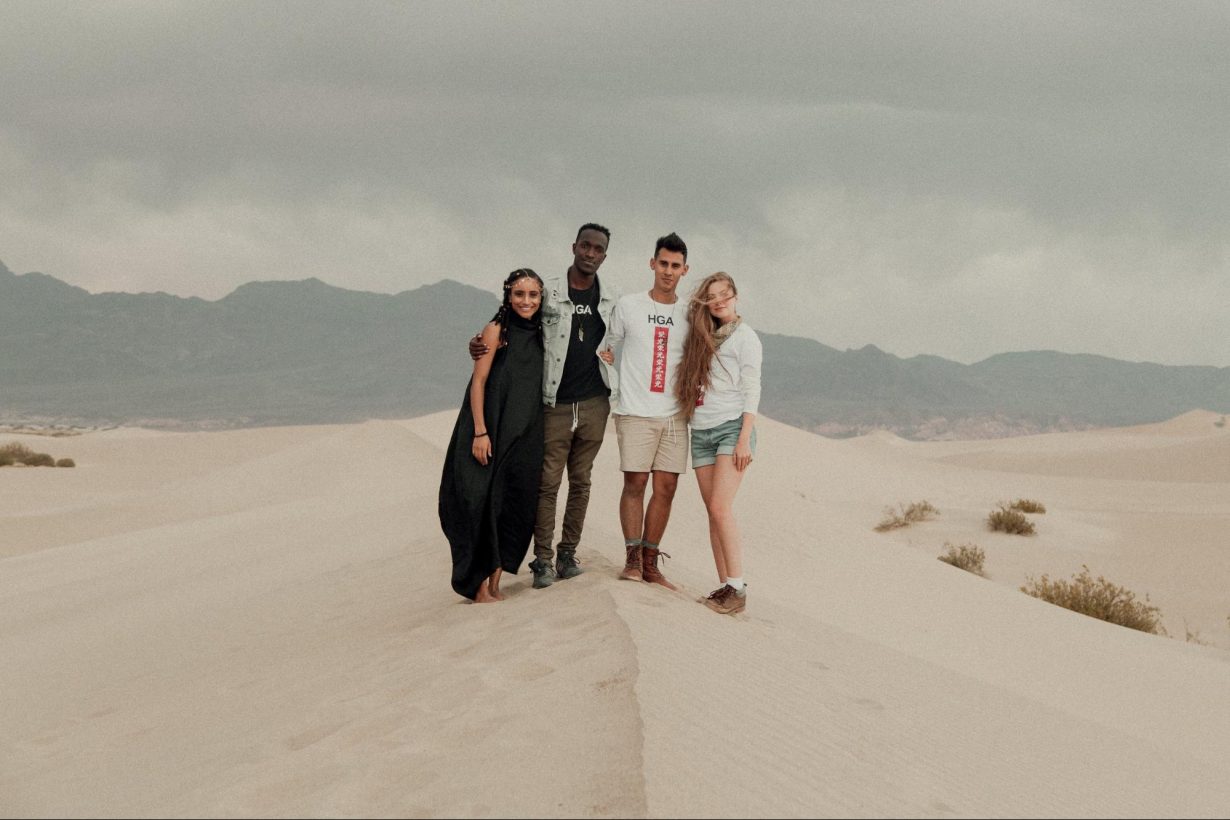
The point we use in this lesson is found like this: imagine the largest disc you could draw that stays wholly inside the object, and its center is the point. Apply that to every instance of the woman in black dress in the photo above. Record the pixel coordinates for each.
(489, 490)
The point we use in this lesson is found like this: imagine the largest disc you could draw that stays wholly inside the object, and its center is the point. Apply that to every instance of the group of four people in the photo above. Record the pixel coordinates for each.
(658, 362)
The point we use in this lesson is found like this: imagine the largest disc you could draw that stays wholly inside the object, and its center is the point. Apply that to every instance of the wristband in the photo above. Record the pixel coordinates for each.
(479, 435)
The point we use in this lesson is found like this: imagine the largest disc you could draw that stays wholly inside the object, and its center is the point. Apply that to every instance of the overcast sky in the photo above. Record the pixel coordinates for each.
(958, 179)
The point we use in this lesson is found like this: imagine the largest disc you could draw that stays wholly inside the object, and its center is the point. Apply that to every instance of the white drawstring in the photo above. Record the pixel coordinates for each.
(576, 418)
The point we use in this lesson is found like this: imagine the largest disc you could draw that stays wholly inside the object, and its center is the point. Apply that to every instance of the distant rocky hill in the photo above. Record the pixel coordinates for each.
(268, 353)
(840, 393)
(307, 352)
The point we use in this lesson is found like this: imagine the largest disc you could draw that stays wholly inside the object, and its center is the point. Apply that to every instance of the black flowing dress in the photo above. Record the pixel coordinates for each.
(487, 513)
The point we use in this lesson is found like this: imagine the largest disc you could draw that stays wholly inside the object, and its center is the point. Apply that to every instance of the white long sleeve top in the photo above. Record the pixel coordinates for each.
(734, 377)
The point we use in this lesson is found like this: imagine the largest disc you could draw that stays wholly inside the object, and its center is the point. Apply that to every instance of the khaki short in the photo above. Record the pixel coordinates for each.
(647, 444)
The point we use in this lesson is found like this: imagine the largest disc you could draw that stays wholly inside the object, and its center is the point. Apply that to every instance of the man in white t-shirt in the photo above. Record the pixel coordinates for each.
(645, 340)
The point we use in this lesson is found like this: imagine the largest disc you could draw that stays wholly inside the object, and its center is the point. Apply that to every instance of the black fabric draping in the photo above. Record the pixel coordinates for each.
(487, 513)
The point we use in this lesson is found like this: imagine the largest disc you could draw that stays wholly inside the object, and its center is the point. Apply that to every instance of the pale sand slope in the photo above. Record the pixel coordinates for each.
(259, 623)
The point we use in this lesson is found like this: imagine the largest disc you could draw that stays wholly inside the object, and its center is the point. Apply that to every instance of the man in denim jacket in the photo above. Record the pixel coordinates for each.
(577, 388)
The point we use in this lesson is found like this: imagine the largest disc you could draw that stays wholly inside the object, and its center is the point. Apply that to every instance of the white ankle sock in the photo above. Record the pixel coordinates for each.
(736, 584)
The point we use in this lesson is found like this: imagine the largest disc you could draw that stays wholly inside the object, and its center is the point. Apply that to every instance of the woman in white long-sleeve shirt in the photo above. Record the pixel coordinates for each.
(718, 384)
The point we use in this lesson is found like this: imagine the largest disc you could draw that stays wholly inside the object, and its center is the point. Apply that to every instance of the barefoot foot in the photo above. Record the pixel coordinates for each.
(493, 585)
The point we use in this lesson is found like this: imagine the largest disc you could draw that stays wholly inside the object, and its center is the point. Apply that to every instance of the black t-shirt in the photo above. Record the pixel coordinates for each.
(581, 378)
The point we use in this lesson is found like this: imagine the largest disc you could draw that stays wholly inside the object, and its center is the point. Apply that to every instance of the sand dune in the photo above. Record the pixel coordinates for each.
(259, 622)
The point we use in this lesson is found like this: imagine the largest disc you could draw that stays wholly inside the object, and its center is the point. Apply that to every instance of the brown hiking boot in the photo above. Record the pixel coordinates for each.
(632, 569)
(649, 568)
(726, 601)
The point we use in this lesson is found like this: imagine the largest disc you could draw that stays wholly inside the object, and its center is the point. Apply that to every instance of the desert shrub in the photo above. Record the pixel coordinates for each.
(1011, 521)
(65, 462)
(17, 453)
(1193, 635)
(1220, 422)
(1098, 599)
(904, 515)
(968, 557)
(1027, 505)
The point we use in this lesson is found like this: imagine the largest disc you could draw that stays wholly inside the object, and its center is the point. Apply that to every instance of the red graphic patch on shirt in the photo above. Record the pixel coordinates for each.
(657, 379)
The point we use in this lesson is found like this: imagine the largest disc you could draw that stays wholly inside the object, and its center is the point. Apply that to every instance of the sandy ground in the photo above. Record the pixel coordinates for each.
(259, 622)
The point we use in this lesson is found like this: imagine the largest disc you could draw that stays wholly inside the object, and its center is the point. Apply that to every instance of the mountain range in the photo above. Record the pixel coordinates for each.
(303, 352)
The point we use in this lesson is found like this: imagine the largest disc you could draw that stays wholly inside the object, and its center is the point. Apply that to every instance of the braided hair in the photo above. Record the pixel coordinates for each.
(506, 309)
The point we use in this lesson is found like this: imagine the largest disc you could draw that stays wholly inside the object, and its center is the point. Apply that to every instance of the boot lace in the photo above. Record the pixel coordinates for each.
(660, 554)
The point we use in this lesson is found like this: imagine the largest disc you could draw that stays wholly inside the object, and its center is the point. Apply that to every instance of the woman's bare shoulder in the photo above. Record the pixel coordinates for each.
(491, 333)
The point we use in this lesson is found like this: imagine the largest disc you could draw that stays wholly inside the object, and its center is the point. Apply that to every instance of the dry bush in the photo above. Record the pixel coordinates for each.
(1220, 422)
(968, 557)
(904, 516)
(1193, 636)
(1011, 521)
(65, 462)
(1098, 599)
(17, 453)
(1027, 505)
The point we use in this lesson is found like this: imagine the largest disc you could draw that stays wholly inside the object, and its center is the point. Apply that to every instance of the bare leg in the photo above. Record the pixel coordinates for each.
(493, 584)
(719, 504)
(704, 480)
(658, 512)
(484, 594)
(632, 505)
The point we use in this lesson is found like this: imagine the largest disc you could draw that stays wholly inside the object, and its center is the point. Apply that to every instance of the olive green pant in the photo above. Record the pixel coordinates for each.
(572, 437)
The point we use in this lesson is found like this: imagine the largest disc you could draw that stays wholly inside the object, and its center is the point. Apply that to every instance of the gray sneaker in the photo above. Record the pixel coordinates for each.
(566, 564)
(544, 573)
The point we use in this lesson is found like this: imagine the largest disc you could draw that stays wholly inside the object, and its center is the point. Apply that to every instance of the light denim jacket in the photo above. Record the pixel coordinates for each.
(557, 310)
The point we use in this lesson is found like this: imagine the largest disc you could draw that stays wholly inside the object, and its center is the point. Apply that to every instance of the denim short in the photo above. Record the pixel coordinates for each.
(707, 445)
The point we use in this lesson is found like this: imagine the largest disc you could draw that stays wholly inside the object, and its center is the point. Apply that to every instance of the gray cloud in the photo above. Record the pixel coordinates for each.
(951, 178)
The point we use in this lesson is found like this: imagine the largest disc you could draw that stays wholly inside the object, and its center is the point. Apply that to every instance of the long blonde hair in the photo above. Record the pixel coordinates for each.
(699, 348)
